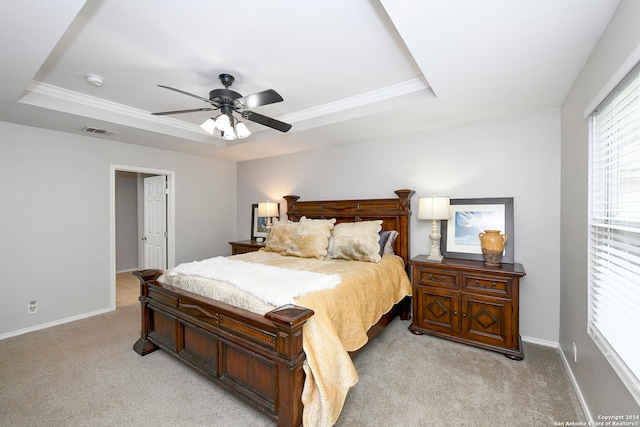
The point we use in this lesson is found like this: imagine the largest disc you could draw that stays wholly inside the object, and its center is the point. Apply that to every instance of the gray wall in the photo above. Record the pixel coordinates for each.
(515, 157)
(127, 235)
(618, 50)
(55, 219)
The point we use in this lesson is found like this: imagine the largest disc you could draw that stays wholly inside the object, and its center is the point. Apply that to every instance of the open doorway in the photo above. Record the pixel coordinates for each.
(142, 227)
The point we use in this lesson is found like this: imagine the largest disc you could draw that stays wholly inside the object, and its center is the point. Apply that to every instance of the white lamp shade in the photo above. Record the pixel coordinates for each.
(223, 123)
(209, 126)
(433, 208)
(242, 130)
(268, 209)
(229, 134)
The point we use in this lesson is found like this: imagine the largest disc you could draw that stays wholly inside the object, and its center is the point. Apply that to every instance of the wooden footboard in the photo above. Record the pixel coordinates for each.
(259, 358)
(256, 357)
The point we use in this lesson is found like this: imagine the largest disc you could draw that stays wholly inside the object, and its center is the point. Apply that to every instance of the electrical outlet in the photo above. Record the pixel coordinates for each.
(575, 353)
(32, 307)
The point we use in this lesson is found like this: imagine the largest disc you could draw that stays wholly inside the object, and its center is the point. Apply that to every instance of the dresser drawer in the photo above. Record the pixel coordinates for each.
(491, 285)
(241, 250)
(440, 278)
(244, 246)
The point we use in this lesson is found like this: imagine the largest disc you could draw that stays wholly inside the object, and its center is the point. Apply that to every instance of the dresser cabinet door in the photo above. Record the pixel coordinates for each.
(437, 310)
(486, 320)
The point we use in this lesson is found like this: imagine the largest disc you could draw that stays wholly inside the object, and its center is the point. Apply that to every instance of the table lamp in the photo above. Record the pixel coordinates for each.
(268, 210)
(435, 209)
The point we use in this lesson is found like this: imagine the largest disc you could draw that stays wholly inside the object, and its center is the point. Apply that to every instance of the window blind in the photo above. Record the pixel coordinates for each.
(614, 230)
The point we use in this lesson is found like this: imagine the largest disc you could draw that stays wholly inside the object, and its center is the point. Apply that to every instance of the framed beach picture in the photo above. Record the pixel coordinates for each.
(470, 217)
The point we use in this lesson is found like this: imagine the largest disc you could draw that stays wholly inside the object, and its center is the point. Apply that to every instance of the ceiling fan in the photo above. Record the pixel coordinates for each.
(229, 101)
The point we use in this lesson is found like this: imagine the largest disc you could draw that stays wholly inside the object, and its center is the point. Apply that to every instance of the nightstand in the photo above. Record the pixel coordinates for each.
(468, 302)
(245, 246)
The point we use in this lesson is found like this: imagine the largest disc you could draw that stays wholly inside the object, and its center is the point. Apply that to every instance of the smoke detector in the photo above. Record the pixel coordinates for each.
(94, 80)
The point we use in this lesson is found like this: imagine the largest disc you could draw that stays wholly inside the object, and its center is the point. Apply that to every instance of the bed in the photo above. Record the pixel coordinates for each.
(260, 357)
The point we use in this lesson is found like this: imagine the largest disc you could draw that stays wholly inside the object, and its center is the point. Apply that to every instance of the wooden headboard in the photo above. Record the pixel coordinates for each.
(394, 213)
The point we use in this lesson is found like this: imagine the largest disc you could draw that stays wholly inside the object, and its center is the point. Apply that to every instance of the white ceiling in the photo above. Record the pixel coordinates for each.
(347, 70)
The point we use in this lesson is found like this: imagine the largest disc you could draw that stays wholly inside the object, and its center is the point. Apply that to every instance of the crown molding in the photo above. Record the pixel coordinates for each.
(53, 97)
(80, 99)
(383, 94)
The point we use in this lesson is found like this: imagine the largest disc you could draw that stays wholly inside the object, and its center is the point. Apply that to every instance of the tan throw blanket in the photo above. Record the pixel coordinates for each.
(340, 323)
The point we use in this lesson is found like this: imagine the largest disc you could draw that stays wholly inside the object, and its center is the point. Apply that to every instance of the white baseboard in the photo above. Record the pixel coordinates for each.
(567, 366)
(127, 271)
(541, 342)
(55, 323)
(576, 387)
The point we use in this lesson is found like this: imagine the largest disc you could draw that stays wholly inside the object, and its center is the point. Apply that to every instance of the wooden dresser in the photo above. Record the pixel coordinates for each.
(245, 246)
(468, 302)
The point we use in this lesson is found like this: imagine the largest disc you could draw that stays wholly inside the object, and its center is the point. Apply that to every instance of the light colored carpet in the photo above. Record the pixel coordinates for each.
(85, 373)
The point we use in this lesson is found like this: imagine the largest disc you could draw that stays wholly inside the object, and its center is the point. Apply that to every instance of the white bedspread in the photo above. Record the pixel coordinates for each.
(273, 285)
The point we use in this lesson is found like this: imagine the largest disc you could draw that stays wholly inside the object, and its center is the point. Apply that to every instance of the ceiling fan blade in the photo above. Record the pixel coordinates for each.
(266, 97)
(266, 121)
(193, 110)
(184, 93)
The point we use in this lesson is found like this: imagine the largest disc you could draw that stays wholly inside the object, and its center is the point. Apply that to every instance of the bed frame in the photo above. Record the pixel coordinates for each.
(258, 358)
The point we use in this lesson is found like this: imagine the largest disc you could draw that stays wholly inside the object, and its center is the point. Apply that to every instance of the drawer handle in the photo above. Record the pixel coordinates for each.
(434, 279)
(493, 285)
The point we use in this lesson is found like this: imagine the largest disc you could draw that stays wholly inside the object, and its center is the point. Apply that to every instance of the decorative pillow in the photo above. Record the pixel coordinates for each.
(358, 241)
(280, 236)
(311, 238)
(384, 236)
(388, 246)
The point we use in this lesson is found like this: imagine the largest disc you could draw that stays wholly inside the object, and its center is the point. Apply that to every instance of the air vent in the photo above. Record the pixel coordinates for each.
(98, 131)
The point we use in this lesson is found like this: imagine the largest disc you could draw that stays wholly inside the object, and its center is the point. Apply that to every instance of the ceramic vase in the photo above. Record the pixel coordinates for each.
(492, 244)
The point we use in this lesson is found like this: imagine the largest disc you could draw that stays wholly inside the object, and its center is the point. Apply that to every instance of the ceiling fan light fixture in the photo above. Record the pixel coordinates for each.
(229, 134)
(227, 102)
(242, 130)
(209, 126)
(223, 122)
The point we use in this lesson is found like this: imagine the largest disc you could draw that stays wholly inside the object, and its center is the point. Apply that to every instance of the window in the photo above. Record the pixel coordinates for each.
(614, 229)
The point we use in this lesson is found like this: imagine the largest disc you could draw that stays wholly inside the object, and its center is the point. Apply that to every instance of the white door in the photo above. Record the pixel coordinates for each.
(155, 222)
